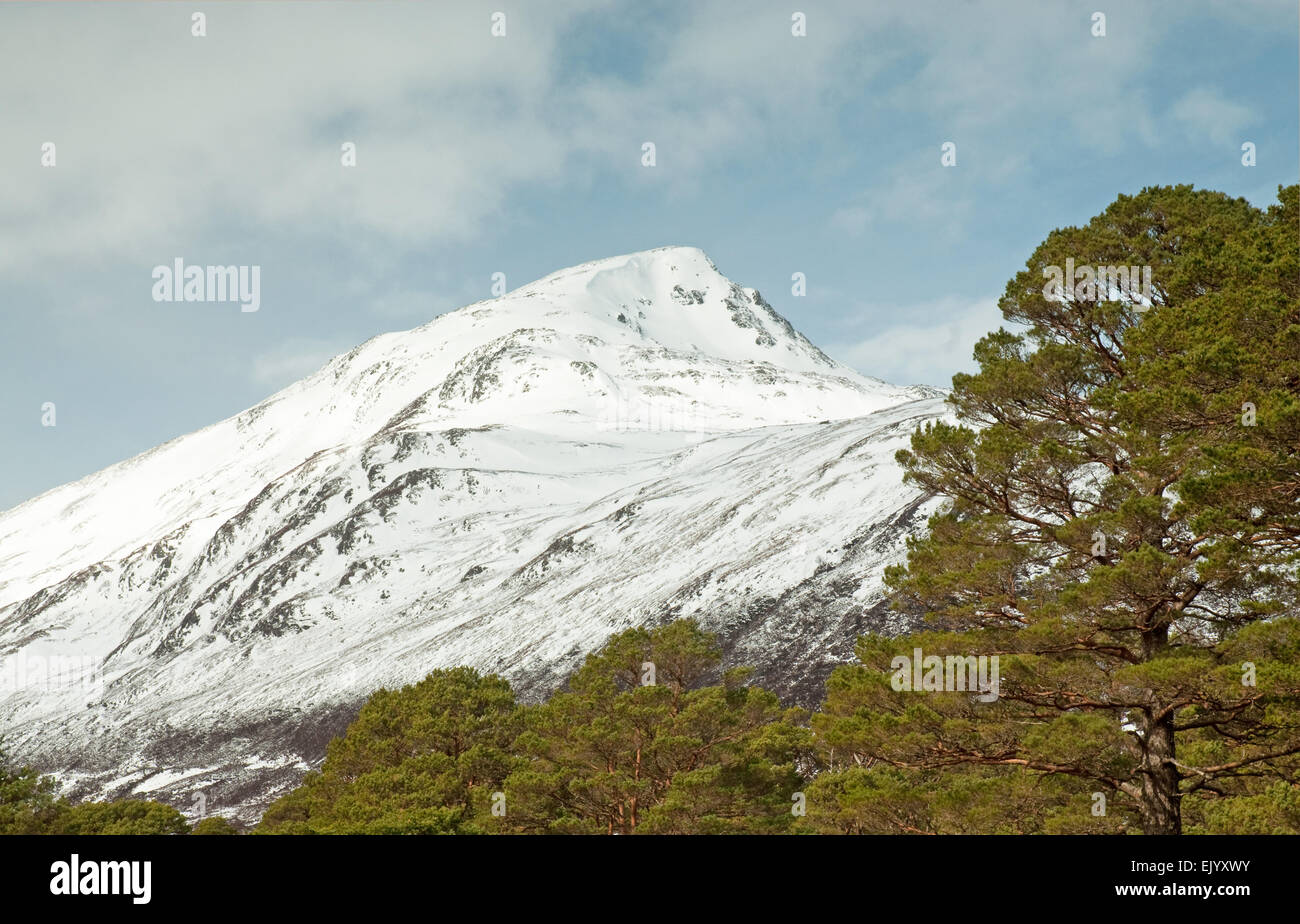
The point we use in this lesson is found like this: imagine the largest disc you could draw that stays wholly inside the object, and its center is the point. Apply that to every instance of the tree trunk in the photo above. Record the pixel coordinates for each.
(636, 779)
(1159, 805)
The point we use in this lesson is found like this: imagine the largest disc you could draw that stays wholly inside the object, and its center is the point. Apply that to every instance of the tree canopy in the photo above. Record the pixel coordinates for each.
(1121, 527)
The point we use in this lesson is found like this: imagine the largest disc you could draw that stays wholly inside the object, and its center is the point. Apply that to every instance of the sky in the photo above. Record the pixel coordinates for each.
(522, 154)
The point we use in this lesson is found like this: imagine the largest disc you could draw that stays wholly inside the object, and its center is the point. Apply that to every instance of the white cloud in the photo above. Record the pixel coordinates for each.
(294, 359)
(923, 195)
(1206, 113)
(162, 134)
(851, 219)
(926, 352)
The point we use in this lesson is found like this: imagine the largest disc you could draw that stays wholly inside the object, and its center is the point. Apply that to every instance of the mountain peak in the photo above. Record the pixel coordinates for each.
(671, 298)
(674, 259)
(656, 341)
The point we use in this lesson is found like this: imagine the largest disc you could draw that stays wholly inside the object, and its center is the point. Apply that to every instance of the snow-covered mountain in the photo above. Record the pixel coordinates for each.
(619, 443)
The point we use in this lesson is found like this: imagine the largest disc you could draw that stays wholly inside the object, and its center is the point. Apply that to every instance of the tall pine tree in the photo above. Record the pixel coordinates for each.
(1122, 527)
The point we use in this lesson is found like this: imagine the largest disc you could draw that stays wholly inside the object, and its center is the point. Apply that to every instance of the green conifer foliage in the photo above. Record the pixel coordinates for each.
(420, 760)
(1122, 529)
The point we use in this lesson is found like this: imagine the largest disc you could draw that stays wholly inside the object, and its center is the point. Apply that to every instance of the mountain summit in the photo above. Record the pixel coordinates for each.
(619, 443)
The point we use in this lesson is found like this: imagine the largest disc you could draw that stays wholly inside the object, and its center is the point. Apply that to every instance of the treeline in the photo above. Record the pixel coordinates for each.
(648, 736)
(28, 806)
(616, 754)
(635, 743)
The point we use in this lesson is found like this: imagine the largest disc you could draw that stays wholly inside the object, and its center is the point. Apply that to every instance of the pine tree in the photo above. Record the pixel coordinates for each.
(214, 824)
(1121, 528)
(27, 800)
(639, 744)
(419, 760)
(126, 816)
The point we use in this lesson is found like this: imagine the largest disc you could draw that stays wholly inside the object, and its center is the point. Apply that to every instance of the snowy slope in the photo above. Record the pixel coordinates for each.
(615, 444)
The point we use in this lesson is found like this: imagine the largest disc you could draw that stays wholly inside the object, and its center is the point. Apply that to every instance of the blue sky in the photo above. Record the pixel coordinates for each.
(522, 154)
